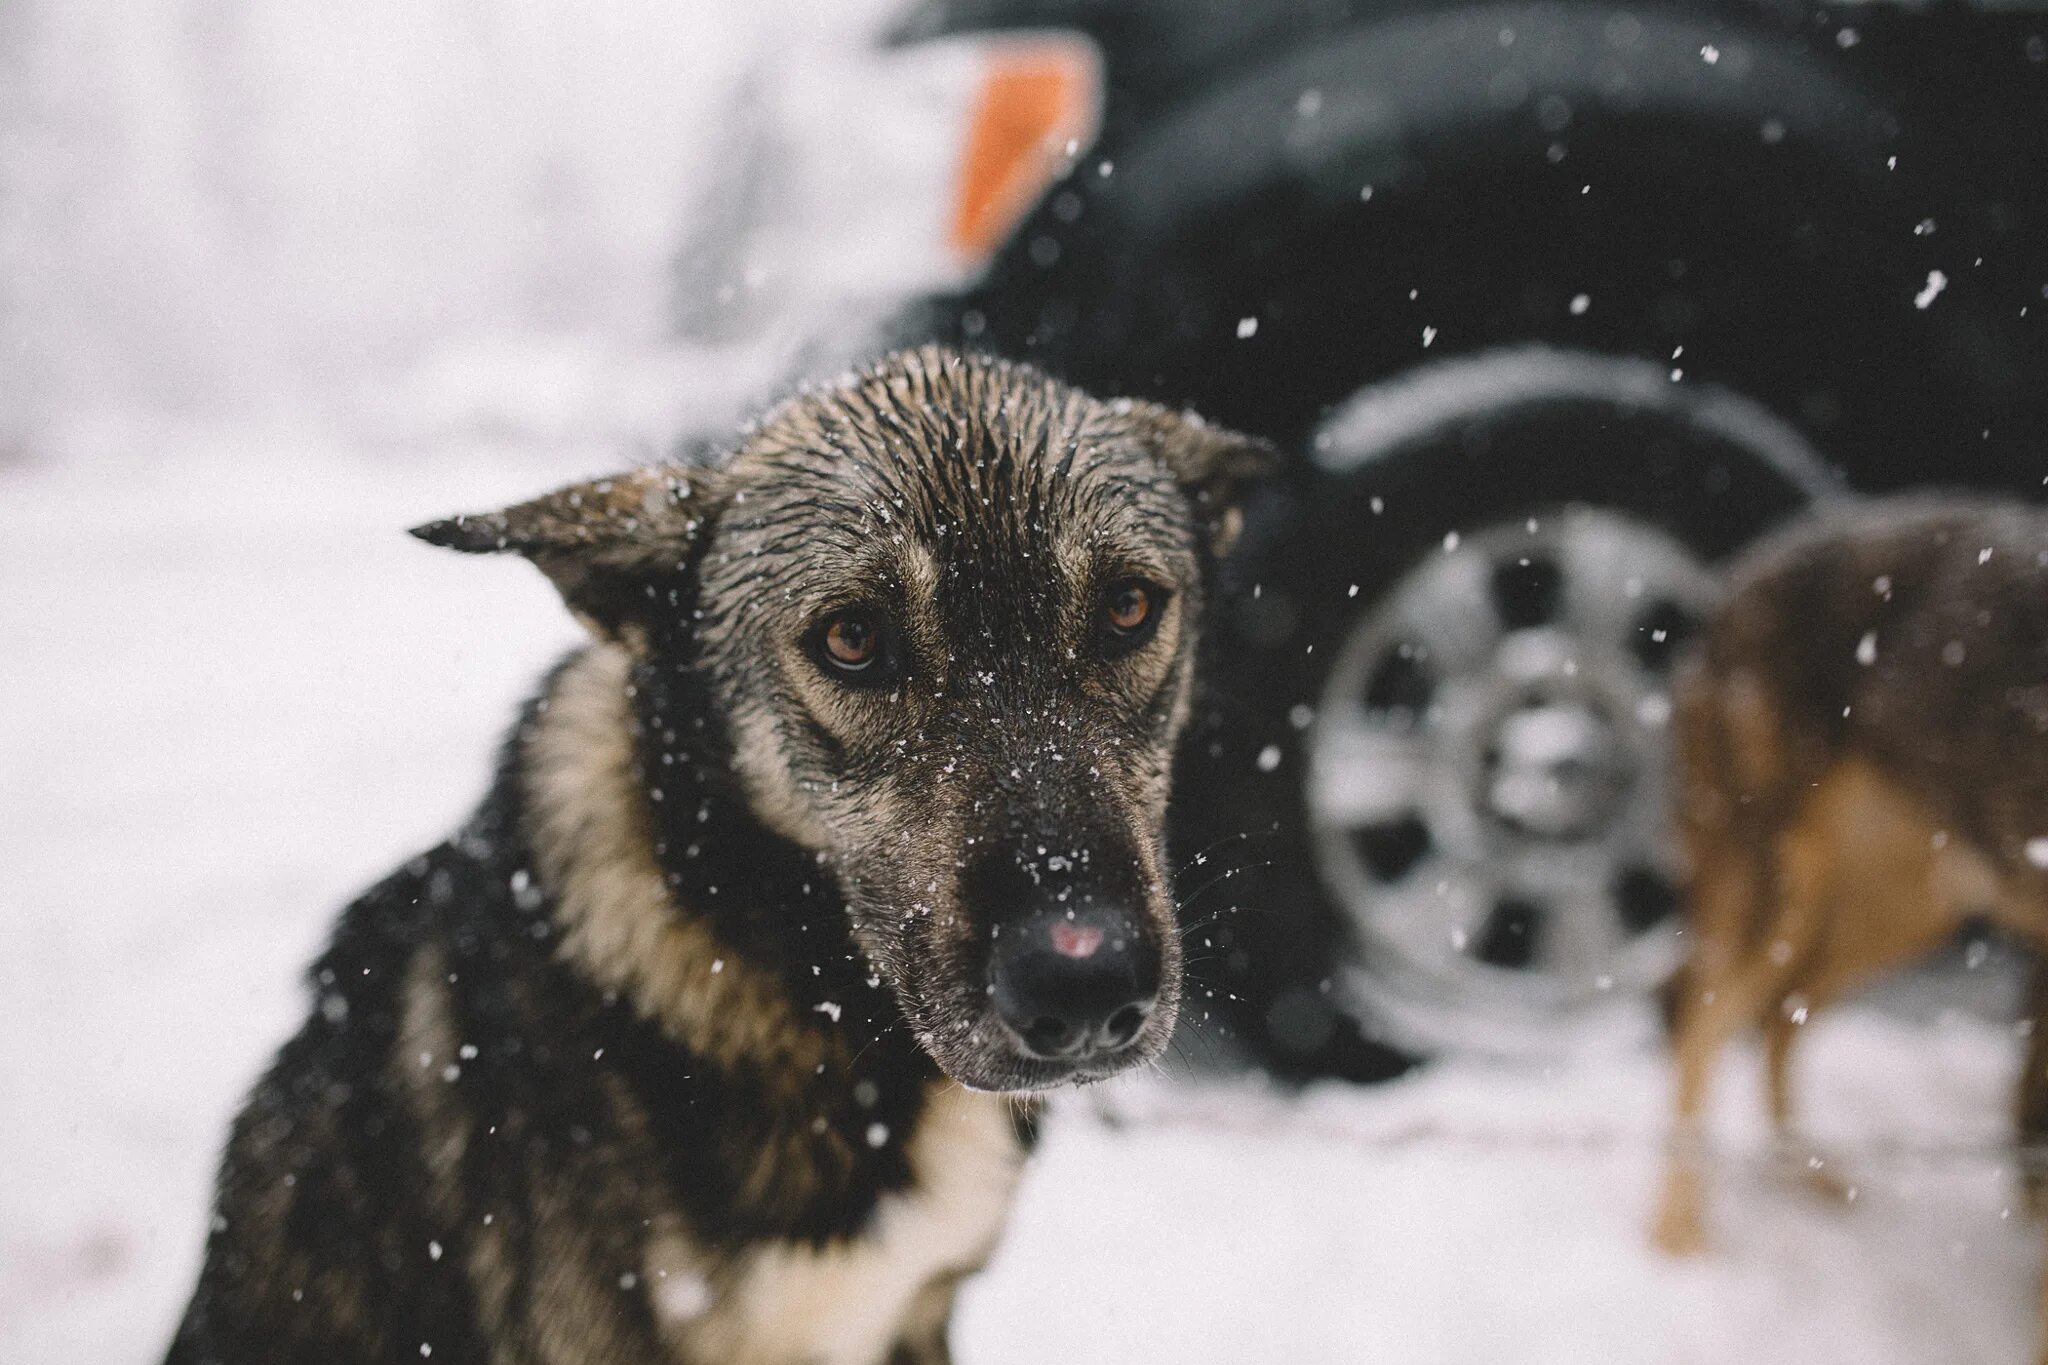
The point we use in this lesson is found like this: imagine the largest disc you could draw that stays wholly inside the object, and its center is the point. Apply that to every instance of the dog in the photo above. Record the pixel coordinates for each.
(2033, 1098)
(693, 1044)
(1862, 746)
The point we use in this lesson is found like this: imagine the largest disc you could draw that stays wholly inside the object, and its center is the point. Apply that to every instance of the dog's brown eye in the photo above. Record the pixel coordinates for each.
(1130, 614)
(1129, 606)
(852, 642)
(856, 648)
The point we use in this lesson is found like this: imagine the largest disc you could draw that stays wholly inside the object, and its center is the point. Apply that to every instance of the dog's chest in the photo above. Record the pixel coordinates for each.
(850, 1303)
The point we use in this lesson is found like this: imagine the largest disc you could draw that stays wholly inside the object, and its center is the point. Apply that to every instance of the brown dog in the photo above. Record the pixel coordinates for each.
(1862, 742)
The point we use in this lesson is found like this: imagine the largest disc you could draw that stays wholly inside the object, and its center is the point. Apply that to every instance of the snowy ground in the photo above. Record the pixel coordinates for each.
(231, 698)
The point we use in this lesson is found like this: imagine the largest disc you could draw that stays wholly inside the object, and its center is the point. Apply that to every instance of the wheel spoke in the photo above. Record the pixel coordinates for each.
(1616, 903)
(1430, 920)
(1607, 581)
(1644, 837)
(1621, 581)
(1585, 938)
(1366, 773)
(1448, 613)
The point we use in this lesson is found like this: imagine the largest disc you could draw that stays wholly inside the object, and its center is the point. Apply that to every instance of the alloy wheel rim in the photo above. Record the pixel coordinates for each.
(1488, 777)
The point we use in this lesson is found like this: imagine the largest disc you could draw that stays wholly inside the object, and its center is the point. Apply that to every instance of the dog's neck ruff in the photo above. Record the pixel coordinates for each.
(675, 898)
(593, 846)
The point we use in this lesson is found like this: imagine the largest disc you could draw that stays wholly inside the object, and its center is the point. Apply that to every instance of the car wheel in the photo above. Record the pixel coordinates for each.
(1442, 681)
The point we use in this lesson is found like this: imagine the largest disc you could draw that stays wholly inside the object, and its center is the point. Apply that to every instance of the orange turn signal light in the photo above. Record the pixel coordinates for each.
(1039, 103)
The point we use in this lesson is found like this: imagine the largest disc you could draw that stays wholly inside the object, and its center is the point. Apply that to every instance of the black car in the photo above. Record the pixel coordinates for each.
(1558, 303)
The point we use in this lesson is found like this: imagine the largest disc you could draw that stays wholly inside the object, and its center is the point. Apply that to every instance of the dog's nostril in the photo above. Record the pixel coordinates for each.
(1124, 1025)
(1050, 1037)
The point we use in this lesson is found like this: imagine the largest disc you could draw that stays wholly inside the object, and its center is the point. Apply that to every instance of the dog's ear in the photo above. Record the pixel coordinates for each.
(604, 543)
(1214, 464)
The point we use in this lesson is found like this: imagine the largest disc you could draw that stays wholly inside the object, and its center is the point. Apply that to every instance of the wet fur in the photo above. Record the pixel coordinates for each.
(1862, 743)
(651, 1061)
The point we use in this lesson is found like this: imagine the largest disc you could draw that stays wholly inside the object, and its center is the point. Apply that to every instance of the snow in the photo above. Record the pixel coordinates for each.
(274, 287)
(1471, 1216)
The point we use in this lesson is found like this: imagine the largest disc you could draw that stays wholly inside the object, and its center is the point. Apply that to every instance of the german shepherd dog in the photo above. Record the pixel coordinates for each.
(849, 815)
(1862, 741)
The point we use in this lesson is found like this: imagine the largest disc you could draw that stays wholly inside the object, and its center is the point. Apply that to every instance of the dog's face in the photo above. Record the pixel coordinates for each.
(947, 612)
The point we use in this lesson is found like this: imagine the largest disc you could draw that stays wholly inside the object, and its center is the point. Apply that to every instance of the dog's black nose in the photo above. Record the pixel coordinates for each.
(1074, 983)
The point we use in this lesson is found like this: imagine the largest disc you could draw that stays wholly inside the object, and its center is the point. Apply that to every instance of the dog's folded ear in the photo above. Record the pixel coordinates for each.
(1214, 464)
(604, 543)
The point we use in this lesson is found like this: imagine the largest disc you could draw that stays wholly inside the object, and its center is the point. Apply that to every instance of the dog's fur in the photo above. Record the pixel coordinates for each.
(679, 1050)
(1862, 743)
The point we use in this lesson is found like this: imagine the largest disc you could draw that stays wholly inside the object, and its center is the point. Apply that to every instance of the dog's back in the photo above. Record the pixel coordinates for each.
(1910, 634)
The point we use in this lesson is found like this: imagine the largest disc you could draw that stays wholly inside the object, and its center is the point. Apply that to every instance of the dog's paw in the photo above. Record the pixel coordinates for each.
(1830, 1182)
(1679, 1230)
(1819, 1173)
(2034, 1189)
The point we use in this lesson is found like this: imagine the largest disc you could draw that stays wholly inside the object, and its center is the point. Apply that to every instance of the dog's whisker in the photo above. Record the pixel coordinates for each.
(1212, 921)
(1242, 836)
(1218, 880)
(1198, 1031)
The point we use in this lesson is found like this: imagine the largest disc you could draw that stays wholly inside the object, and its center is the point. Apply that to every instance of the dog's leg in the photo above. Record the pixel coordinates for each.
(1801, 1159)
(926, 1325)
(1806, 991)
(1781, 1027)
(2033, 1116)
(929, 1350)
(1721, 1003)
(1717, 1010)
(2041, 1345)
(1807, 909)
(1721, 898)
(2033, 1096)
(1729, 879)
